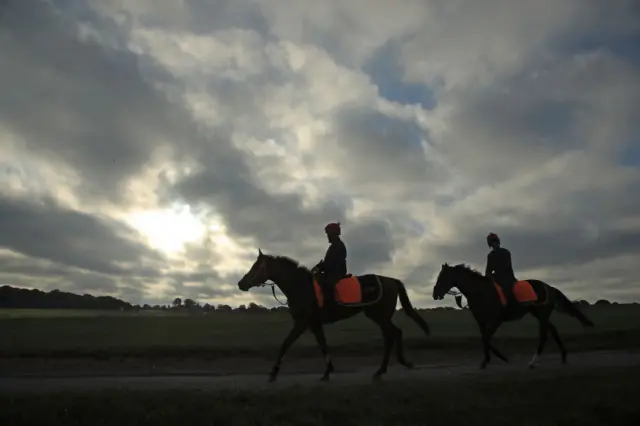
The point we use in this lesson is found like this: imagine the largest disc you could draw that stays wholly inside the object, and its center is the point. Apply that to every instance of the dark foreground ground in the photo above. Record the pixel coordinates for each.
(211, 370)
(582, 394)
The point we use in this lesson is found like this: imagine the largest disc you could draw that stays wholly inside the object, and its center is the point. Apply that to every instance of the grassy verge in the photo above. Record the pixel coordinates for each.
(605, 397)
(222, 335)
(600, 341)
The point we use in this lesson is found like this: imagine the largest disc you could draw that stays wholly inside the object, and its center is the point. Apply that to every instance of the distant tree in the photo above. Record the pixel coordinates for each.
(602, 302)
(189, 303)
(255, 308)
(177, 302)
(224, 308)
(146, 307)
(242, 308)
(20, 298)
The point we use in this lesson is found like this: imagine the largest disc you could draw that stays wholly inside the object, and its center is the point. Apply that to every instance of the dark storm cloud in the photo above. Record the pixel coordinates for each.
(378, 148)
(202, 285)
(545, 247)
(45, 230)
(369, 244)
(225, 14)
(38, 268)
(83, 282)
(43, 274)
(79, 103)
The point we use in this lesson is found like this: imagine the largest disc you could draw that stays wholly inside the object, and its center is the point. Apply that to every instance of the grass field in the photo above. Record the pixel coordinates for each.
(28, 333)
(603, 397)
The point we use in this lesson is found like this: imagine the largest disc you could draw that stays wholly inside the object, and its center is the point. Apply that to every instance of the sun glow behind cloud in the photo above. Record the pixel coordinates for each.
(168, 230)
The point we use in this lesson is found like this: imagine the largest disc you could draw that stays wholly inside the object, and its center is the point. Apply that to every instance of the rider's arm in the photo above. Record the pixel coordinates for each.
(335, 257)
(489, 269)
(318, 266)
(330, 256)
(341, 253)
(507, 256)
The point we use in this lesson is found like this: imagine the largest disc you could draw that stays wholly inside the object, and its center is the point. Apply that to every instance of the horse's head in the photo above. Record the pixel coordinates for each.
(257, 275)
(445, 282)
(282, 270)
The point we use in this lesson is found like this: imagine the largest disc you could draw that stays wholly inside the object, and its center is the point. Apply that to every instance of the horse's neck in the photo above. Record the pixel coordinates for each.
(285, 281)
(284, 285)
(470, 286)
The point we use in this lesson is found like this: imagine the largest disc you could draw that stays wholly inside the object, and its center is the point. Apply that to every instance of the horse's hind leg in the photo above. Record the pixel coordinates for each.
(556, 337)
(388, 335)
(400, 347)
(544, 331)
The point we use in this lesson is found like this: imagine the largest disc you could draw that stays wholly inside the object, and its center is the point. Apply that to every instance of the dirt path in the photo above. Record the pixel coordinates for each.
(204, 380)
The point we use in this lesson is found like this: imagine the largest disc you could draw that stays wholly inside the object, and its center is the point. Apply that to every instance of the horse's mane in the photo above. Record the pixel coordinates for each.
(292, 262)
(468, 269)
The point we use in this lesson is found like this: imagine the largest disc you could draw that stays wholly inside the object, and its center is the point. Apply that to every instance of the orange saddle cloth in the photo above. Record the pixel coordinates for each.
(348, 291)
(522, 290)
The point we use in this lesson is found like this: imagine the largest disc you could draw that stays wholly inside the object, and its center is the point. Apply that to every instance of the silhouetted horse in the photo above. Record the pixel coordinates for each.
(376, 296)
(488, 309)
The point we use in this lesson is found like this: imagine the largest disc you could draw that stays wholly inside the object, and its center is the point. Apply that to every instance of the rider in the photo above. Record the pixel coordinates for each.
(499, 263)
(334, 264)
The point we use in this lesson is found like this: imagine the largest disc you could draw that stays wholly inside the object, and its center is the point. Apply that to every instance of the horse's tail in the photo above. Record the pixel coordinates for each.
(570, 308)
(408, 308)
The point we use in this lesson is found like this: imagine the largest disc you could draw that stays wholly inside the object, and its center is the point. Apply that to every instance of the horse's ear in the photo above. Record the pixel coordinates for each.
(259, 252)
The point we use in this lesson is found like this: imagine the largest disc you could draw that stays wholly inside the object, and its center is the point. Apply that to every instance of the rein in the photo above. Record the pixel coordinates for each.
(273, 291)
(458, 297)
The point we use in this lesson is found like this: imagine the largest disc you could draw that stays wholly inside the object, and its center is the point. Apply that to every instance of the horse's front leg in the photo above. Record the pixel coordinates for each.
(298, 328)
(318, 331)
(487, 333)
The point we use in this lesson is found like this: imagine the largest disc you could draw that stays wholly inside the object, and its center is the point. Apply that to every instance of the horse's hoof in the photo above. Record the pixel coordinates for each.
(483, 366)
(324, 378)
(409, 365)
(272, 378)
(531, 366)
(377, 376)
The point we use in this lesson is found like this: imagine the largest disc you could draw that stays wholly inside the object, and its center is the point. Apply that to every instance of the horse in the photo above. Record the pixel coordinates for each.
(487, 304)
(378, 297)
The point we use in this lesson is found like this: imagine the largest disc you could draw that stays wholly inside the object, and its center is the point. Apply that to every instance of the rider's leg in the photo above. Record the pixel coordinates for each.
(508, 288)
(327, 291)
(330, 297)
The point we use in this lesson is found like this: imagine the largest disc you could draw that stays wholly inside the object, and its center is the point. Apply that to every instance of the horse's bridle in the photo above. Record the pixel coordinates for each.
(263, 265)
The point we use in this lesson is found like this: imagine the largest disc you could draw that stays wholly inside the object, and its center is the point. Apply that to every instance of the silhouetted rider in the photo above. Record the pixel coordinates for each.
(499, 265)
(334, 264)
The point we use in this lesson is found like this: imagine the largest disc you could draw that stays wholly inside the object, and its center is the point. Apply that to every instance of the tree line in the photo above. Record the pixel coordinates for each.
(20, 298)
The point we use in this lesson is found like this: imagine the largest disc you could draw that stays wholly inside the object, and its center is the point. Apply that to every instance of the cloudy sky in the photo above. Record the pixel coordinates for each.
(149, 147)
